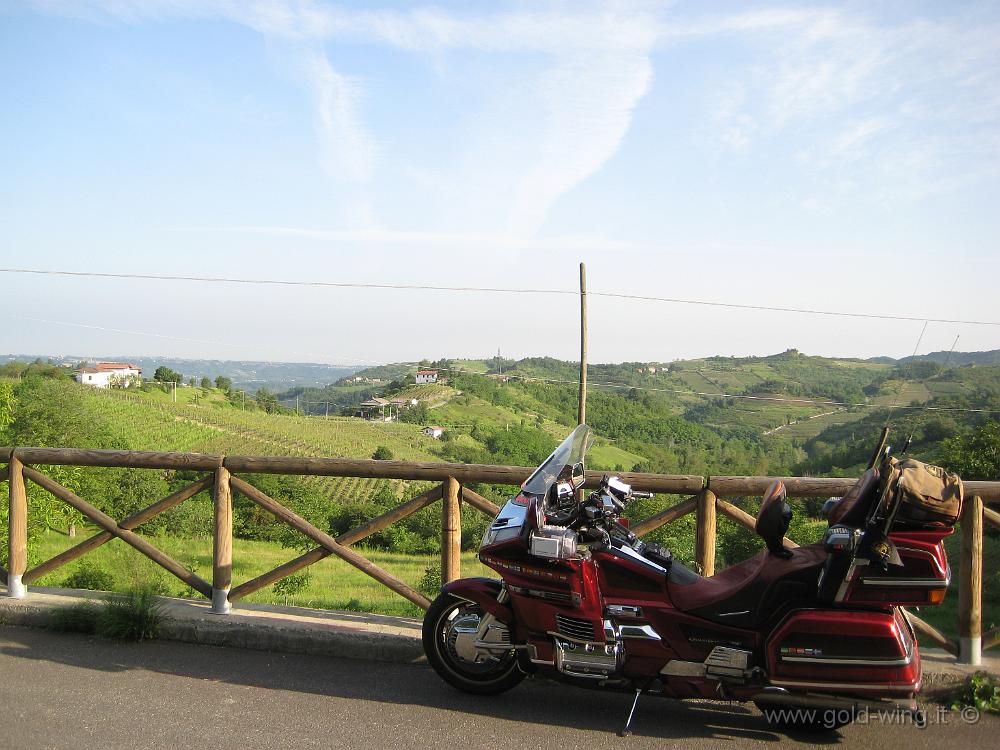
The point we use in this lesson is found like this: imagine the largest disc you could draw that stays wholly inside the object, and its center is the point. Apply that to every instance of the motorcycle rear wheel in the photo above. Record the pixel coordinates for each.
(487, 676)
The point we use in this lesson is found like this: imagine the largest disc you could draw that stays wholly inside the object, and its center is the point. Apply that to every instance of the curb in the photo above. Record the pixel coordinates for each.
(347, 635)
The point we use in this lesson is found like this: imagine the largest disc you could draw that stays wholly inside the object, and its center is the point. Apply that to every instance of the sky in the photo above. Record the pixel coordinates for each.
(818, 156)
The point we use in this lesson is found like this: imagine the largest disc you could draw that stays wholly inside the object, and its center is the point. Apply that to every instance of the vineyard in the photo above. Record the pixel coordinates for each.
(137, 422)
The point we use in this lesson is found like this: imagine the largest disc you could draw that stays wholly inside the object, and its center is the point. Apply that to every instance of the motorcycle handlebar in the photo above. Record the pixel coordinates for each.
(646, 495)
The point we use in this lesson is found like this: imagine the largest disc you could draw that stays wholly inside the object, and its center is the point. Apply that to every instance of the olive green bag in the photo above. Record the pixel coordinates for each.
(929, 495)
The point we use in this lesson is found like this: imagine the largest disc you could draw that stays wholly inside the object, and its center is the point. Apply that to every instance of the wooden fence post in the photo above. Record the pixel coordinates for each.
(17, 530)
(222, 564)
(451, 532)
(704, 546)
(970, 584)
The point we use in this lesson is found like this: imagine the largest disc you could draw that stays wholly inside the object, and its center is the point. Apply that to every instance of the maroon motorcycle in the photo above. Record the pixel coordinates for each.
(811, 634)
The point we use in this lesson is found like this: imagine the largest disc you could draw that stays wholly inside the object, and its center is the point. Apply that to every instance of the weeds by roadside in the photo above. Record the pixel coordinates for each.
(135, 616)
(980, 691)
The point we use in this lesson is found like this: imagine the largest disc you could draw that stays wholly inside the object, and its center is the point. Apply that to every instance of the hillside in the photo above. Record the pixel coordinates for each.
(783, 412)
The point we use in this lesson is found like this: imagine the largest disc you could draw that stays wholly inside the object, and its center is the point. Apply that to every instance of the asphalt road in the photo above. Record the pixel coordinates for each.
(70, 691)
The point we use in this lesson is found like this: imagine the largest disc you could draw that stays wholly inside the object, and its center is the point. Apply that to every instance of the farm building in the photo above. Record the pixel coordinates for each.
(109, 375)
(426, 376)
(434, 431)
(377, 410)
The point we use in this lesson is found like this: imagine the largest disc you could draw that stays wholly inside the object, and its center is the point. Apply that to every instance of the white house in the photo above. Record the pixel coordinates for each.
(426, 376)
(434, 431)
(110, 375)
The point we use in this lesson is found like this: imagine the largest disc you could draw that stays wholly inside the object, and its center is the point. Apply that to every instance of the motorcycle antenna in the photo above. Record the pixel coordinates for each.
(947, 360)
(895, 399)
(582, 414)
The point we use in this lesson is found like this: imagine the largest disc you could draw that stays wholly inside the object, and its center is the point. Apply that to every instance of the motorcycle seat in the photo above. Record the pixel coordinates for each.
(746, 594)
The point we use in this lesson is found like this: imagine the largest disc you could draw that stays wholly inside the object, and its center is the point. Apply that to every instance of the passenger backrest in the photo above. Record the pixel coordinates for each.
(773, 519)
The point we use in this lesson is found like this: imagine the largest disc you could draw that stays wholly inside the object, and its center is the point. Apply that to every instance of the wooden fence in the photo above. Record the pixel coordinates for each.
(707, 499)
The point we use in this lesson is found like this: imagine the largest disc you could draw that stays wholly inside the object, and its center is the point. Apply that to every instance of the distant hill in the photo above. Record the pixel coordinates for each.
(248, 375)
(952, 359)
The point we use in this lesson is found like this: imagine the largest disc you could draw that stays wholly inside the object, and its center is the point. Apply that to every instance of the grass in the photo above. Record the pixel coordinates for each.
(609, 456)
(812, 426)
(333, 584)
(134, 616)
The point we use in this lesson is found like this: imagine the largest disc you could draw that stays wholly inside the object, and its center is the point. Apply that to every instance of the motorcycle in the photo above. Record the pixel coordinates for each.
(812, 635)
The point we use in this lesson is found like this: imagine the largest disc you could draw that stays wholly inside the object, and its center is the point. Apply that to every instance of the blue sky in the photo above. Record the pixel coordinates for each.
(825, 156)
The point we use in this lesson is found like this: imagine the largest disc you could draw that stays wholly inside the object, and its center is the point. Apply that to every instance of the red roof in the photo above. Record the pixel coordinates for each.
(115, 366)
(427, 372)
(109, 367)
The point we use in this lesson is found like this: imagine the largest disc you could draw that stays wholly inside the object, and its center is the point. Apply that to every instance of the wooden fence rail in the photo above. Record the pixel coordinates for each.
(221, 477)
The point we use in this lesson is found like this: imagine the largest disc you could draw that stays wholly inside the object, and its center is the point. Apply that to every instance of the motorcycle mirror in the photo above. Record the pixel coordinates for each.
(578, 475)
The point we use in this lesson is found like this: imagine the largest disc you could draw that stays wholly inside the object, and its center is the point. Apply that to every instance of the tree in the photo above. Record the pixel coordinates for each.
(415, 414)
(223, 383)
(266, 400)
(976, 454)
(192, 381)
(382, 454)
(164, 374)
(206, 383)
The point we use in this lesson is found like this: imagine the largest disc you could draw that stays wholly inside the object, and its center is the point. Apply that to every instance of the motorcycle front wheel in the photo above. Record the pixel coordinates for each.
(449, 628)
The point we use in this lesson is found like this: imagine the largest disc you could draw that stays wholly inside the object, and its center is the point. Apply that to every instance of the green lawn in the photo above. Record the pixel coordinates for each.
(333, 584)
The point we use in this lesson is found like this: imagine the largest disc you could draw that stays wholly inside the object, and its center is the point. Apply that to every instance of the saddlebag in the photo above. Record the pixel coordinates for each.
(844, 652)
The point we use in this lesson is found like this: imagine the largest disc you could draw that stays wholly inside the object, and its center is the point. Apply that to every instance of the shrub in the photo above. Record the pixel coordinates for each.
(90, 576)
(382, 454)
(292, 585)
(980, 691)
(430, 583)
(135, 616)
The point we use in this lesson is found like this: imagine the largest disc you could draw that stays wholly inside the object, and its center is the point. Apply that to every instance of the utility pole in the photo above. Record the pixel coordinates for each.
(327, 414)
(583, 344)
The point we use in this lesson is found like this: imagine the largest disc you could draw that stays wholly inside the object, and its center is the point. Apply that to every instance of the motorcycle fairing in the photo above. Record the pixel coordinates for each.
(483, 592)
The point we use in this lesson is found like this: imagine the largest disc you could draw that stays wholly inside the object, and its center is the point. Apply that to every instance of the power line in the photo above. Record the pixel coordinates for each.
(282, 282)
(500, 290)
(801, 310)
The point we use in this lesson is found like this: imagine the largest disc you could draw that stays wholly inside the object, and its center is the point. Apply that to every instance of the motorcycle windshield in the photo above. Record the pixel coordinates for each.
(569, 453)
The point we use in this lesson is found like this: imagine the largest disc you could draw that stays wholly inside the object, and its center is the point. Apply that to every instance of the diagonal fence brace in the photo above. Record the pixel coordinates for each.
(111, 526)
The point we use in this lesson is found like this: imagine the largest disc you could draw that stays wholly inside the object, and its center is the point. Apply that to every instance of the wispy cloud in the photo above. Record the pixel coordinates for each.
(917, 100)
(597, 69)
(348, 148)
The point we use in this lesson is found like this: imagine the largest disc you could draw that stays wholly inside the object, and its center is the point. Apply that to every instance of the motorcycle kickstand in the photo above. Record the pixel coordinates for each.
(626, 730)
